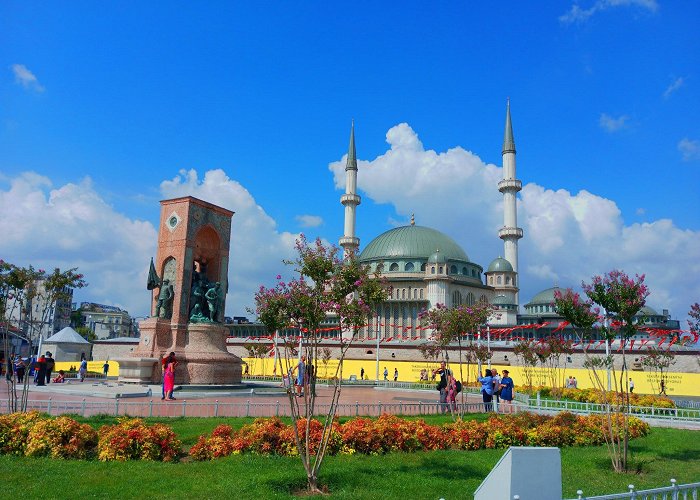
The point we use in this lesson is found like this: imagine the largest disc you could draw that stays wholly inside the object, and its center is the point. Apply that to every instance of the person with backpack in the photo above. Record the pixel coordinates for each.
(496, 385)
(442, 385)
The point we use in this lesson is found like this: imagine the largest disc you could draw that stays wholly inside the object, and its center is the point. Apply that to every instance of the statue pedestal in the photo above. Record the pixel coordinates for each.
(200, 350)
(138, 370)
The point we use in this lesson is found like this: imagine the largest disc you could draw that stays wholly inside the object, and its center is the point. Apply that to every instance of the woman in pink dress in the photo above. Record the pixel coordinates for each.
(169, 380)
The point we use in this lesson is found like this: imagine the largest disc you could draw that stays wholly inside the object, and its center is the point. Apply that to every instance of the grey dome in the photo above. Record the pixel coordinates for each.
(415, 242)
(500, 265)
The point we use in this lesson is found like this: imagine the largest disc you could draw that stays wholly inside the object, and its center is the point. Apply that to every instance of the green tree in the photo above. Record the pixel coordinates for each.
(326, 286)
(621, 297)
(20, 287)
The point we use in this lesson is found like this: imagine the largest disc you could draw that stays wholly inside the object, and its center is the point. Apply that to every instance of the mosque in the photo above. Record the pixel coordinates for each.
(426, 267)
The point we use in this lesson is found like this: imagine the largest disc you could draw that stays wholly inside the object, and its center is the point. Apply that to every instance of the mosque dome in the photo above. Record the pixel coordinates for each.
(647, 311)
(500, 265)
(413, 242)
(545, 297)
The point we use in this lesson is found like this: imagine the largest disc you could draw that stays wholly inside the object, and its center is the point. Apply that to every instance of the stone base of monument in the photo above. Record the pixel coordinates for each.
(138, 370)
(200, 350)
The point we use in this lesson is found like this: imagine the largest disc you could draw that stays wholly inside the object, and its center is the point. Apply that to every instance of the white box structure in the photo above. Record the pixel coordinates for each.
(532, 473)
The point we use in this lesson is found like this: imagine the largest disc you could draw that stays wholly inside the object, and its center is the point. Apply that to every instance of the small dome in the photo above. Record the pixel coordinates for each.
(437, 258)
(500, 265)
(501, 300)
(647, 311)
(545, 297)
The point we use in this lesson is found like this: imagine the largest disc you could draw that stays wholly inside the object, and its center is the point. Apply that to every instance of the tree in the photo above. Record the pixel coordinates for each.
(659, 360)
(20, 287)
(326, 286)
(325, 358)
(452, 324)
(621, 297)
(525, 350)
(255, 351)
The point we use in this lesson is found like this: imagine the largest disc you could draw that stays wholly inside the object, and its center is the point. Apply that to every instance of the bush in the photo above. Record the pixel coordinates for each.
(131, 439)
(61, 437)
(14, 430)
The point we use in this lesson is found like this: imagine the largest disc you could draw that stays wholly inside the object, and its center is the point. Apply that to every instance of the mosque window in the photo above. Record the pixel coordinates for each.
(422, 267)
(498, 280)
(456, 298)
(453, 269)
(421, 293)
(440, 269)
(432, 270)
(409, 267)
(415, 292)
(507, 280)
(465, 271)
(490, 280)
(394, 267)
(474, 273)
(483, 299)
(514, 281)
(470, 299)
(403, 293)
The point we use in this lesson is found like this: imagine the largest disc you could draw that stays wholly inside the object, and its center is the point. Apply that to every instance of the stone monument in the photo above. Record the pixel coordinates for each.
(189, 281)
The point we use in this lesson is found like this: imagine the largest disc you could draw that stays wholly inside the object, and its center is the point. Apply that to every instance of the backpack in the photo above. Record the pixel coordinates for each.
(459, 387)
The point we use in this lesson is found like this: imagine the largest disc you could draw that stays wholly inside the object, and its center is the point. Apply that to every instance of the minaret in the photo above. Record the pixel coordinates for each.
(510, 233)
(350, 199)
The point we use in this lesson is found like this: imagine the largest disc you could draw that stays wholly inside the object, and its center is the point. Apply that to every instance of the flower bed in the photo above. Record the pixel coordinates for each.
(596, 396)
(35, 434)
(390, 433)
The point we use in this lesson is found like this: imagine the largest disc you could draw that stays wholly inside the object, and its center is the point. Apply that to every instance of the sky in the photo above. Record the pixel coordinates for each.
(106, 108)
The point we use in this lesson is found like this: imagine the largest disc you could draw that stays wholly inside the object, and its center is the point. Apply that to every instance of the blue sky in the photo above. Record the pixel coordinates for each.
(103, 105)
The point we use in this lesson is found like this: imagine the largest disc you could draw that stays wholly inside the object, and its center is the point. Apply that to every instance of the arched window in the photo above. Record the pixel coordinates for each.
(465, 271)
(514, 281)
(483, 299)
(398, 291)
(440, 269)
(432, 270)
(456, 298)
(409, 267)
(474, 273)
(421, 293)
(453, 269)
(498, 280)
(403, 293)
(422, 267)
(507, 280)
(394, 267)
(490, 280)
(470, 299)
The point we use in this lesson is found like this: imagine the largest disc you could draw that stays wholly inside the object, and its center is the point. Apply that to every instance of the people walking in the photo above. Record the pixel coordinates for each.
(396, 374)
(507, 387)
(631, 386)
(444, 372)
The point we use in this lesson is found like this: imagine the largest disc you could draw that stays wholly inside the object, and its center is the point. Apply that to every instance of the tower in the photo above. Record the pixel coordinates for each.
(350, 199)
(510, 233)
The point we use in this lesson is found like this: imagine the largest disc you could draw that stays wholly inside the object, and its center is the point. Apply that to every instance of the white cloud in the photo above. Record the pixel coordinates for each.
(71, 226)
(640, 211)
(610, 124)
(26, 78)
(579, 15)
(309, 220)
(257, 247)
(675, 85)
(690, 149)
(569, 237)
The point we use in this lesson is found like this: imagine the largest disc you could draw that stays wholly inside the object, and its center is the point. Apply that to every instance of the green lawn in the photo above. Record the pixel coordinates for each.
(665, 453)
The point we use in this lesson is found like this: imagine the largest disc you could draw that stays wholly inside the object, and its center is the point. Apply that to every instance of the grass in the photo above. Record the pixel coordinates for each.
(664, 454)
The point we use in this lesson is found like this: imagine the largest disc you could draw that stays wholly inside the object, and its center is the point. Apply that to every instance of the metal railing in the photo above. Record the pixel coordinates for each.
(673, 492)
(185, 408)
(642, 412)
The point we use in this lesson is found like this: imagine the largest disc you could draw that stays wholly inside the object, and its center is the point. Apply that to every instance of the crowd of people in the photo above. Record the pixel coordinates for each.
(492, 385)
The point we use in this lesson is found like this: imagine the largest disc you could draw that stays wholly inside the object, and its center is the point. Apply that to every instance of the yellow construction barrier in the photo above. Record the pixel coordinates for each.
(677, 383)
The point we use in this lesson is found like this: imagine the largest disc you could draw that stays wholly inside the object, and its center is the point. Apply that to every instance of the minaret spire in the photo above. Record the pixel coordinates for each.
(510, 233)
(508, 142)
(350, 199)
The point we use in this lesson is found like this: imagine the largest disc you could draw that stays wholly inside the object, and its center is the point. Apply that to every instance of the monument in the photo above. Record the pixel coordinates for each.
(189, 281)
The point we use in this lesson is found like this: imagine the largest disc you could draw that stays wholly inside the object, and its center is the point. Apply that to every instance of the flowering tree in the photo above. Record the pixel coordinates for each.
(621, 297)
(453, 324)
(525, 350)
(19, 287)
(659, 360)
(326, 286)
